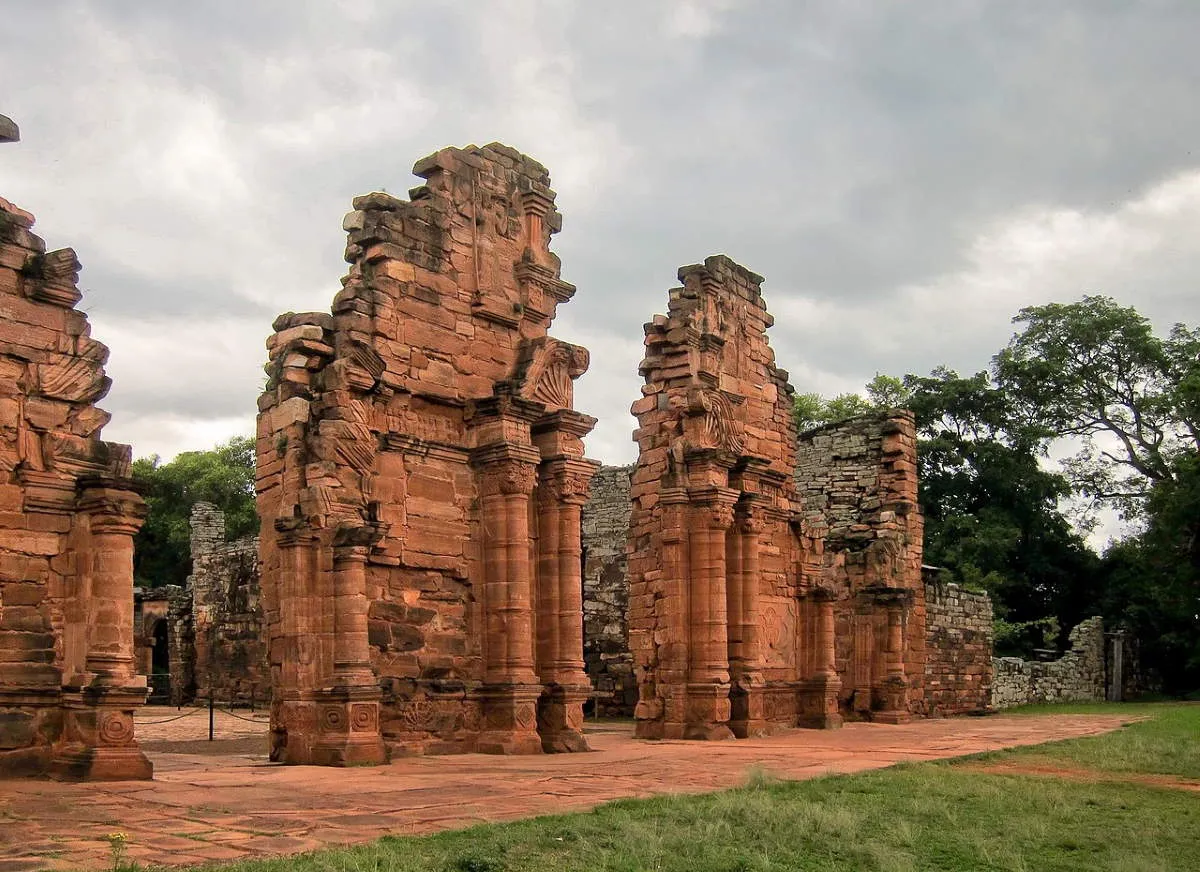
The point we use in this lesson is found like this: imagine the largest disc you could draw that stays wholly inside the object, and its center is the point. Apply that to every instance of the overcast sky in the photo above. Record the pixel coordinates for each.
(905, 175)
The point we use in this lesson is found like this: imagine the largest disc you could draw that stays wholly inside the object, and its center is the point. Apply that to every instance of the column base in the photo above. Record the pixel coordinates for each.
(510, 719)
(560, 719)
(894, 694)
(98, 742)
(817, 703)
(748, 711)
(348, 728)
(707, 713)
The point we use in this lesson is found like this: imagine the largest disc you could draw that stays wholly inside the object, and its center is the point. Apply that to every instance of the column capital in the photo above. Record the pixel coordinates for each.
(568, 480)
(507, 477)
(112, 505)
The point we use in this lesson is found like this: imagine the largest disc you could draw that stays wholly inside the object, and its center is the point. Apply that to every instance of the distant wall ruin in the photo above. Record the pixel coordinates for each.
(420, 481)
(68, 514)
(606, 652)
(857, 485)
(1076, 676)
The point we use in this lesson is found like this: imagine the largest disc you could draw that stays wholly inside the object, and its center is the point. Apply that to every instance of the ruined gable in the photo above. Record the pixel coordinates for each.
(420, 478)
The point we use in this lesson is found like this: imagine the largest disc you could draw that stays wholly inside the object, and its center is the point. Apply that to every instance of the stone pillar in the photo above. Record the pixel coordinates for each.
(293, 709)
(348, 720)
(708, 711)
(745, 656)
(819, 693)
(560, 608)
(511, 689)
(894, 691)
(98, 741)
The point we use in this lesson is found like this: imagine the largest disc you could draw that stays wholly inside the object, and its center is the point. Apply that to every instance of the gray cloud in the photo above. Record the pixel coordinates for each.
(905, 175)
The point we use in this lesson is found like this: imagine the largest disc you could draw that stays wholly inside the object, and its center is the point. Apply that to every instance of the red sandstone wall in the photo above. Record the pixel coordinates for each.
(67, 518)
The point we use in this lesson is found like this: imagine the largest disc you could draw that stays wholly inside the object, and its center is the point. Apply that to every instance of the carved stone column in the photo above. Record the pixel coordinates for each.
(348, 714)
(663, 674)
(819, 693)
(748, 716)
(511, 689)
(98, 741)
(894, 691)
(708, 710)
(294, 722)
(560, 607)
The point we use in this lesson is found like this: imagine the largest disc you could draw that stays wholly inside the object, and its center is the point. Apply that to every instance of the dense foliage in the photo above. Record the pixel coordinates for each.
(223, 476)
(1092, 375)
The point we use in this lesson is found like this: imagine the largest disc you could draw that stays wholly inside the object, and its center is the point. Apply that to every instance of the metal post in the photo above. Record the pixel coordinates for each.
(210, 715)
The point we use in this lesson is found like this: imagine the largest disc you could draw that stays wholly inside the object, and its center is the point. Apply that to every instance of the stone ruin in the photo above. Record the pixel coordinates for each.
(420, 481)
(752, 605)
(68, 514)
(606, 593)
(206, 638)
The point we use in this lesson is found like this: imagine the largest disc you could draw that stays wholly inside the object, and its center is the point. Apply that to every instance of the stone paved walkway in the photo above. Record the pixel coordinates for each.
(203, 807)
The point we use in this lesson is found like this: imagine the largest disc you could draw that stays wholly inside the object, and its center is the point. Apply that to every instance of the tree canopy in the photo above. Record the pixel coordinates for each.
(223, 476)
(1095, 370)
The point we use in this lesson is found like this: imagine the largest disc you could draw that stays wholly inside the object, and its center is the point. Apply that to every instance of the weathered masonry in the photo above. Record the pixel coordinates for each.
(857, 485)
(420, 481)
(606, 593)
(68, 514)
(755, 605)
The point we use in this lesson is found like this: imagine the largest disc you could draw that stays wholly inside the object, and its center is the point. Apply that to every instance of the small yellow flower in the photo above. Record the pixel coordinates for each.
(115, 839)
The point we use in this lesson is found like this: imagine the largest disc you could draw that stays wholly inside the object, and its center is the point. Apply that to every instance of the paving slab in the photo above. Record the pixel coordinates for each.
(208, 807)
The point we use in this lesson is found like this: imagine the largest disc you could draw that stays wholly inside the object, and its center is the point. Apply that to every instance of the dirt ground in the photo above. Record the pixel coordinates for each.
(222, 800)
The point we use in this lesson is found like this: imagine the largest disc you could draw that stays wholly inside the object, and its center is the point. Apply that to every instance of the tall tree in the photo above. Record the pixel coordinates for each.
(223, 476)
(1095, 371)
(992, 511)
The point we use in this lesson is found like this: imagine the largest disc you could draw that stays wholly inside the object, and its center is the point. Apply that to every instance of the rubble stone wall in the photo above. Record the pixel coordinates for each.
(958, 650)
(1077, 676)
(230, 659)
(68, 514)
(606, 593)
(857, 484)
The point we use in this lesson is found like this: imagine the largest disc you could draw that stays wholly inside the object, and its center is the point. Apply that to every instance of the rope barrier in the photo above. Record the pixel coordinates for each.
(168, 720)
(241, 717)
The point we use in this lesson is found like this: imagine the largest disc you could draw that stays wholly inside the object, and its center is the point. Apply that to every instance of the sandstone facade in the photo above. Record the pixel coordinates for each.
(420, 481)
(606, 593)
(68, 514)
(756, 604)
(1077, 676)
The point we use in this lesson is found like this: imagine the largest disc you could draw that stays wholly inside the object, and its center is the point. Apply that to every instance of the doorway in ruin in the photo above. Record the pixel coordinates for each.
(160, 664)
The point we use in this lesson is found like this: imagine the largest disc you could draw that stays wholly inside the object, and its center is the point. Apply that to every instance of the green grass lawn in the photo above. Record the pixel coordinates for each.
(930, 816)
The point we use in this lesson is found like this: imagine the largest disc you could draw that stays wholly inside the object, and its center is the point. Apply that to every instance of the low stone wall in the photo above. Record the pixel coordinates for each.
(958, 650)
(606, 593)
(1077, 676)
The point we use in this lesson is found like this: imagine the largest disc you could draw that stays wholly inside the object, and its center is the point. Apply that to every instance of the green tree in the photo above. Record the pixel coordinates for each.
(223, 476)
(882, 392)
(1151, 582)
(1096, 371)
(992, 511)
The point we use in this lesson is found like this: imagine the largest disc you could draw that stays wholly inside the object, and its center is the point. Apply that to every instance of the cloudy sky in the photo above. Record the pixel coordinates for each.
(906, 175)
